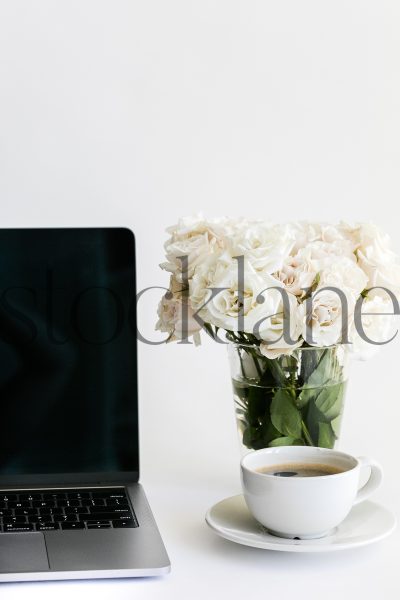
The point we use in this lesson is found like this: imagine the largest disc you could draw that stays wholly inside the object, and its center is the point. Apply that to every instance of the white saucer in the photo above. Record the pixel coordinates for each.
(367, 523)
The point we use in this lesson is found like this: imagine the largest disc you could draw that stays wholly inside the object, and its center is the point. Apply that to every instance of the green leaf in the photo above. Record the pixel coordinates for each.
(284, 415)
(335, 424)
(309, 361)
(269, 432)
(312, 419)
(281, 441)
(326, 437)
(329, 401)
(285, 441)
(321, 374)
(267, 379)
(276, 372)
(249, 437)
(304, 397)
(258, 403)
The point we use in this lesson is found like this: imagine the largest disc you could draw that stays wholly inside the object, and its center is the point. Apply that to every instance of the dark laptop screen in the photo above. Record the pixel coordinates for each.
(68, 389)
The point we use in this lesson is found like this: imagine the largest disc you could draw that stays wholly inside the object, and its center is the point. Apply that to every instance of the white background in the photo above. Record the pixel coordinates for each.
(134, 113)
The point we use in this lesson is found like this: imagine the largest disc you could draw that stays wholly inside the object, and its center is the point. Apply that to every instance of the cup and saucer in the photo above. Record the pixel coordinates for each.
(303, 499)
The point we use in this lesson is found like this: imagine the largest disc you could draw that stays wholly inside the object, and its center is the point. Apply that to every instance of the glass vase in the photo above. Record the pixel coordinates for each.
(294, 399)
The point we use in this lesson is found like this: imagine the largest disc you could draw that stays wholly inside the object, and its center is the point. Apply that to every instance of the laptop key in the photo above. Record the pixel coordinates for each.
(43, 503)
(76, 525)
(108, 494)
(39, 517)
(107, 509)
(103, 517)
(97, 524)
(29, 497)
(45, 526)
(39, 521)
(78, 495)
(4, 497)
(5, 512)
(66, 518)
(87, 502)
(117, 502)
(54, 496)
(49, 511)
(123, 523)
(25, 511)
(73, 510)
(23, 504)
(52, 511)
(18, 527)
(62, 502)
(74, 502)
(98, 502)
(20, 519)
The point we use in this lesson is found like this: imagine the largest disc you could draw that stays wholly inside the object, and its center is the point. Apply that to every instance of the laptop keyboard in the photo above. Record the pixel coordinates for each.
(49, 510)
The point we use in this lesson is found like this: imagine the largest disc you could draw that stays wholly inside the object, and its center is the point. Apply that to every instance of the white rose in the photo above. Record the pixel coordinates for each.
(350, 232)
(210, 270)
(304, 232)
(343, 273)
(377, 260)
(339, 235)
(320, 250)
(330, 233)
(228, 227)
(300, 271)
(297, 272)
(276, 345)
(324, 321)
(326, 238)
(224, 308)
(189, 226)
(378, 326)
(265, 246)
(175, 315)
(194, 238)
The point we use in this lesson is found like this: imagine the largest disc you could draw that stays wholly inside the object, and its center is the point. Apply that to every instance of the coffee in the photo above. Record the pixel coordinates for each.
(300, 470)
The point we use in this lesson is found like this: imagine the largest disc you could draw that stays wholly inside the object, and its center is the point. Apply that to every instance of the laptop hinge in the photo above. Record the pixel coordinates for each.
(68, 480)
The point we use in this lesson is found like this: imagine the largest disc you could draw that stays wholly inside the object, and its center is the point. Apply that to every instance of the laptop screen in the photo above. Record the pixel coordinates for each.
(68, 388)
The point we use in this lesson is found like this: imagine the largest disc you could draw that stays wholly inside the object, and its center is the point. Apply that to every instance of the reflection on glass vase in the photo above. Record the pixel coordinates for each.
(290, 400)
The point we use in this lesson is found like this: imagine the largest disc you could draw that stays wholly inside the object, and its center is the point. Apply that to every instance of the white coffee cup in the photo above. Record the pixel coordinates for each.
(305, 507)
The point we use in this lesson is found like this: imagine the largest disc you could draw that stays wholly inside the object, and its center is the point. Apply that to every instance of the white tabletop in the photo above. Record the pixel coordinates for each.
(204, 565)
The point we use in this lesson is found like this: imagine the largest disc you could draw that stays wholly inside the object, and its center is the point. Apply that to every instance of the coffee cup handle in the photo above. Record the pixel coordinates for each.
(374, 480)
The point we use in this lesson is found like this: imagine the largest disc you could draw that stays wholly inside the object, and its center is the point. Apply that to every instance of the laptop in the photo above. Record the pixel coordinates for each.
(71, 505)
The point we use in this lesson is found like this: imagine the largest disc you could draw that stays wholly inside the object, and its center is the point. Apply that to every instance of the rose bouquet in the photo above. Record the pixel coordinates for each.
(294, 301)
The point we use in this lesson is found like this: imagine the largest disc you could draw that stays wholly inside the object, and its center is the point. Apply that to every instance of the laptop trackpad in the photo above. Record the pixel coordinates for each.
(20, 552)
